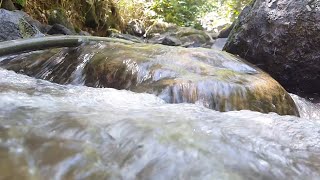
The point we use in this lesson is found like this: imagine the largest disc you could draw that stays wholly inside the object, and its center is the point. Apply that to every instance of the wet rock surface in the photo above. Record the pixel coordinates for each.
(282, 38)
(211, 78)
(219, 43)
(13, 25)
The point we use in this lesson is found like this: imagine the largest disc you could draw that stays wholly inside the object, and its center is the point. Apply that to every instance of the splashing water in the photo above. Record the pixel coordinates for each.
(50, 131)
(306, 108)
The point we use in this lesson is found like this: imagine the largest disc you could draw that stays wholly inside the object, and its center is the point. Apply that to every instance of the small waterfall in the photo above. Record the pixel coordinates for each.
(306, 108)
(78, 76)
(215, 79)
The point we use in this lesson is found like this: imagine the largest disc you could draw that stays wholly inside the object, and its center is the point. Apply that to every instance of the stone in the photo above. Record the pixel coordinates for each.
(158, 28)
(212, 78)
(59, 29)
(179, 36)
(126, 37)
(13, 25)
(43, 28)
(136, 28)
(84, 33)
(282, 38)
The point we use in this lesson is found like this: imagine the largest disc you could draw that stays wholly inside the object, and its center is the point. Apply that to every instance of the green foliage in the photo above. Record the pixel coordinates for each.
(180, 12)
(22, 3)
(190, 12)
(234, 7)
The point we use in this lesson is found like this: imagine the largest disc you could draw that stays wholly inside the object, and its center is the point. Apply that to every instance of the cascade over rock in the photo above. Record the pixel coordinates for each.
(76, 132)
(212, 78)
(282, 38)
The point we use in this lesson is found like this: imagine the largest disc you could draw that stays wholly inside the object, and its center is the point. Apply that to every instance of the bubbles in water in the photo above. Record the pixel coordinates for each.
(49, 130)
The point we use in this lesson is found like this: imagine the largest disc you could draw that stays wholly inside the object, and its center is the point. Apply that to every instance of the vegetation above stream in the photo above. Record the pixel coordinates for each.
(96, 16)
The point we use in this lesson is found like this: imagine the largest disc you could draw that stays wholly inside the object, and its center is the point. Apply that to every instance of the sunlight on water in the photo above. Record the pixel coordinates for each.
(50, 131)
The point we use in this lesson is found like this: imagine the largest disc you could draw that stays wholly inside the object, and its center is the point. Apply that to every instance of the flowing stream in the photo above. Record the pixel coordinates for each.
(51, 131)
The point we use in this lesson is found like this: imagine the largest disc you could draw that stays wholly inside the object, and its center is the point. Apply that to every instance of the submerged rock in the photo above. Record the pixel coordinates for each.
(212, 78)
(282, 37)
(13, 25)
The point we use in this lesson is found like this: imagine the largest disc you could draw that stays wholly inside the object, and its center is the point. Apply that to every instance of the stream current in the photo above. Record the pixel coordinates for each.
(51, 131)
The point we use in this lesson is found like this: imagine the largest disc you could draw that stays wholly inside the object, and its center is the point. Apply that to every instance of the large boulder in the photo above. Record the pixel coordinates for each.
(43, 28)
(283, 38)
(212, 78)
(13, 25)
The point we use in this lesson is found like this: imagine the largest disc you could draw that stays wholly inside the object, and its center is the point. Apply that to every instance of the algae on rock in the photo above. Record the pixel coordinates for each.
(213, 78)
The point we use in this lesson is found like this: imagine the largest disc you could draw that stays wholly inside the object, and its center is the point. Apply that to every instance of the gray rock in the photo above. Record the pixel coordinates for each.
(168, 34)
(165, 39)
(43, 28)
(136, 28)
(282, 37)
(127, 37)
(13, 25)
(84, 33)
(60, 29)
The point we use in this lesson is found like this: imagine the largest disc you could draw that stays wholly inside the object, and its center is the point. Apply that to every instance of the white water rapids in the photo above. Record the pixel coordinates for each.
(50, 131)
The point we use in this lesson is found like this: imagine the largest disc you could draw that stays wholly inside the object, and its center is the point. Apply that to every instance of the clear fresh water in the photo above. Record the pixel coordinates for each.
(50, 131)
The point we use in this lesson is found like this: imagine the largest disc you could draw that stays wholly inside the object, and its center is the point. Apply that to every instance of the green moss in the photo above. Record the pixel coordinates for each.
(26, 30)
(22, 3)
(225, 74)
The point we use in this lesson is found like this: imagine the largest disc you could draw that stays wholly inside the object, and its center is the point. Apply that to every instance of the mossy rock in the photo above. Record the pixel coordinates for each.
(160, 28)
(13, 25)
(160, 33)
(213, 78)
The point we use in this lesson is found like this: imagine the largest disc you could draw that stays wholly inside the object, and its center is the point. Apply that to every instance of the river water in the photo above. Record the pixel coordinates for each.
(51, 131)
